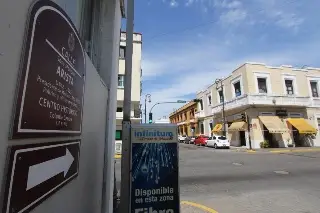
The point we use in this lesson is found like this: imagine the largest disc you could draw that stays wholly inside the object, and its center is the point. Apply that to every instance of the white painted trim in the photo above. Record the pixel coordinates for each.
(268, 81)
(271, 67)
(294, 83)
(288, 74)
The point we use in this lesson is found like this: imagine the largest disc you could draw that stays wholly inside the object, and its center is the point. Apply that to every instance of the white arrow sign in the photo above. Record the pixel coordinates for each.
(43, 171)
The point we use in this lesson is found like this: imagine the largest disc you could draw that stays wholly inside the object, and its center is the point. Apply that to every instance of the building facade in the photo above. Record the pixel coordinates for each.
(184, 117)
(280, 105)
(163, 120)
(204, 114)
(98, 24)
(135, 85)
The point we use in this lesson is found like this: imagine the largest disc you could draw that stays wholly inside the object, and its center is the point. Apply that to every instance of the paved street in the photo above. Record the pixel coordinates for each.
(227, 181)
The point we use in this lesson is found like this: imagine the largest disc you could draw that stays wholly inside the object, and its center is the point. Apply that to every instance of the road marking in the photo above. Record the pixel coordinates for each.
(200, 206)
(237, 164)
(251, 151)
(117, 156)
(281, 172)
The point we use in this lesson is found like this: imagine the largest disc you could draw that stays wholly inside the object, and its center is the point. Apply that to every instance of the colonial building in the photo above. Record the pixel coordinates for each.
(280, 105)
(184, 117)
(135, 86)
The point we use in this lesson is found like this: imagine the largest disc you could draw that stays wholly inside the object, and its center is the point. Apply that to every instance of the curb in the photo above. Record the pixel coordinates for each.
(199, 206)
(295, 150)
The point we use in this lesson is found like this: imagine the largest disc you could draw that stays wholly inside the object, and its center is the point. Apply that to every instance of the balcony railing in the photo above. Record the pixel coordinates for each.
(199, 114)
(267, 100)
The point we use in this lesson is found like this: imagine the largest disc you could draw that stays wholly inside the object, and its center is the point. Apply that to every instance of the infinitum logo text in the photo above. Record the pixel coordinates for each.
(152, 133)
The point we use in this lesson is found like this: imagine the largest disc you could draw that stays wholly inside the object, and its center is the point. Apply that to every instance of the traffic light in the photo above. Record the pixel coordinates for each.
(150, 117)
(244, 117)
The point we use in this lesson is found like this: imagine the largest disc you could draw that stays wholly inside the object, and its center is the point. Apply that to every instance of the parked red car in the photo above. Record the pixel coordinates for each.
(201, 140)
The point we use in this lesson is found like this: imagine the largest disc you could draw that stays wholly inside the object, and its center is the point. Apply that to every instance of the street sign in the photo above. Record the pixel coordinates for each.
(181, 101)
(37, 171)
(52, 75)
(155, 169)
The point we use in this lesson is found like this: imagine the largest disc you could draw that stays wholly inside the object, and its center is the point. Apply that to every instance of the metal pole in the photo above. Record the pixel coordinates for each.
(145, 110)
(249, 137)
(126, 123)
(223, 113)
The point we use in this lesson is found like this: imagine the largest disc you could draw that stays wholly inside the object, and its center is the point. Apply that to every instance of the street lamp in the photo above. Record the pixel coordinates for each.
(148, 96)
(219, 82)
(140, 112)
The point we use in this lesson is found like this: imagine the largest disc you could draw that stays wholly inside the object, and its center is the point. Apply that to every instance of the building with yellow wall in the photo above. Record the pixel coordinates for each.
(280, 105)
(184, 117)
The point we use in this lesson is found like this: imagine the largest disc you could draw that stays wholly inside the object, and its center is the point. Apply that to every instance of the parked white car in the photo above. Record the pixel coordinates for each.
(182, 138)
(218, 141)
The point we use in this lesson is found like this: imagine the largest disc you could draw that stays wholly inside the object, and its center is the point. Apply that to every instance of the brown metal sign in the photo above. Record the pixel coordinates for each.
(51, 86)
(30, 180)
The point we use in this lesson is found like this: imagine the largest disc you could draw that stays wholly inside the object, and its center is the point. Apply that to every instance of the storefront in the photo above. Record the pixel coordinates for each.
(302, 132)
(237, 133)
(273, 127)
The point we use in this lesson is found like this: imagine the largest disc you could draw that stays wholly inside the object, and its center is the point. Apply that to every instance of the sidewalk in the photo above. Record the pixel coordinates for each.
(277, 150)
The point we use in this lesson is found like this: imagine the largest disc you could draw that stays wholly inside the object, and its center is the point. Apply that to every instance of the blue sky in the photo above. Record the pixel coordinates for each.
(189, 43)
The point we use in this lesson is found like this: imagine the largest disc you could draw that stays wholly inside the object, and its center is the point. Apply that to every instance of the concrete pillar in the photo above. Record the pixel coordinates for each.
(109, 66)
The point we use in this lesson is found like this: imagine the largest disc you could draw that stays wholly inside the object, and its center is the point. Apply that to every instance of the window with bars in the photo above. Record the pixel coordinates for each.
(262, 85)
(289, 87)
(314, 88)
(237, 89)
(220, 93)
(209, 99)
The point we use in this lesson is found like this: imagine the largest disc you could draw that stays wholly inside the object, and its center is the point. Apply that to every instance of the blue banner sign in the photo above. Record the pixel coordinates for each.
(154, 169)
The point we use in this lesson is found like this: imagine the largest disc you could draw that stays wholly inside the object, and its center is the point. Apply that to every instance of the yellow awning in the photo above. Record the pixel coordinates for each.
(274, 124)
(238, 126)
(217, 128)
(302, 125)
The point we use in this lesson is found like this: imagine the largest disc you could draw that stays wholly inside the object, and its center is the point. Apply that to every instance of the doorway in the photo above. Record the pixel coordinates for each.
(296, 137)
(269, 137)
(242, 138)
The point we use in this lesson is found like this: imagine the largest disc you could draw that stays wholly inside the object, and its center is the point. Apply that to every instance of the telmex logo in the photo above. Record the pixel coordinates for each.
(152, 133)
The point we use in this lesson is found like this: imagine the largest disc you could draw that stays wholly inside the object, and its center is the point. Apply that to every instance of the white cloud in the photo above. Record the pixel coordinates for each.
(233, 16)
(207, 61)
(174, 3)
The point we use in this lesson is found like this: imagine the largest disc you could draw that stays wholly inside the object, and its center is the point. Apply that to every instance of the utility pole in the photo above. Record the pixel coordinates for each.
(148, 96)
(220, 81)
(125, 201)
